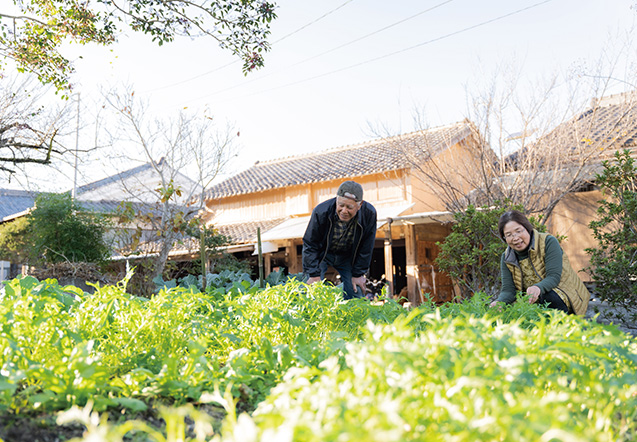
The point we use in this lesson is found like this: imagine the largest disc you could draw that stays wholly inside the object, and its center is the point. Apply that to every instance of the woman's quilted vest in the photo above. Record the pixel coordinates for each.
(570, 288)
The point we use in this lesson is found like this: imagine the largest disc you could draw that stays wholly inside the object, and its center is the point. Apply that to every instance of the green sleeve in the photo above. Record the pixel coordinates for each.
(507, 291)
(553, 264)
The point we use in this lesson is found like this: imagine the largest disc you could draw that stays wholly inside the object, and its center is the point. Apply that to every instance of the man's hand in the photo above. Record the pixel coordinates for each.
(497, 305)
(360, 282)
(534, 294)
(313, 279)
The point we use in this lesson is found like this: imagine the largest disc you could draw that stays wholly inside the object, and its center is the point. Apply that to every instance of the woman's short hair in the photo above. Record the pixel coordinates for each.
(518, 217)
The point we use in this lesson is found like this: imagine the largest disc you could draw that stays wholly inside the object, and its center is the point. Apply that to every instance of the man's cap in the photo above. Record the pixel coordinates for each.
(350, 189)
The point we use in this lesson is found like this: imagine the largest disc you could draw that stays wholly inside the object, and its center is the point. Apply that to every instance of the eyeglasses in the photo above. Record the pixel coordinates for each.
(515, 234)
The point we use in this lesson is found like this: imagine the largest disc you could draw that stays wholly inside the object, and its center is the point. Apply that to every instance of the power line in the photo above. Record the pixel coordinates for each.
(402, 50)
(191, 78)
(312, 22)
(237, 61)
(328, 51)
(374, 32)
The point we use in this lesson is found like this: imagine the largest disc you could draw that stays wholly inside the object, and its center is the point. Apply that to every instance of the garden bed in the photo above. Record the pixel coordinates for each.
(293, 362)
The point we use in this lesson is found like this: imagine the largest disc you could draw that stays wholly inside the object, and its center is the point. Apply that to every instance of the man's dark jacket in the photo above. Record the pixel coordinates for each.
(319, 232)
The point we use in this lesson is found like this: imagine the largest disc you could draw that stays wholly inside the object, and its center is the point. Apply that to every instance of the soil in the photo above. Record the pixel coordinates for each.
(625, 320)
(43, 428)
(25, 428)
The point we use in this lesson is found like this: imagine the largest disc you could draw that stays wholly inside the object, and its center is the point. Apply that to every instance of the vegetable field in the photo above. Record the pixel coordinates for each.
(297, 363)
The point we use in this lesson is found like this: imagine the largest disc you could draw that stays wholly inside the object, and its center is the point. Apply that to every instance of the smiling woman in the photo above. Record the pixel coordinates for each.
(534, 263)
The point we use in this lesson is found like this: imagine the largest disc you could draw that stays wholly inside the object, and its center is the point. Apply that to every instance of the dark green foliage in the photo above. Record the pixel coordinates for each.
(227, 279)
(14, 243)
(614, 260)
(227, 261)
(211, 251)
(62, 231)
(471, 253)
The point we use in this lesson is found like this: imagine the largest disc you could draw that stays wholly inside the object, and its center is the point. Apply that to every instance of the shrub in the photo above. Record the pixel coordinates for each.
(62, 231)
(14, 242)
(470, 254)
(614, 260)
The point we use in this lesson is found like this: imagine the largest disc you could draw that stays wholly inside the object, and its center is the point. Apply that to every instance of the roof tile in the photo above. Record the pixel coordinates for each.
(367, 158)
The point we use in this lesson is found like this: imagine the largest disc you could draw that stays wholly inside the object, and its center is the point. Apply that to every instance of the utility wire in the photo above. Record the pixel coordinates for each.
(328, 51)
(312, 22)
(402, 50)
(237, 61)
(374, 32)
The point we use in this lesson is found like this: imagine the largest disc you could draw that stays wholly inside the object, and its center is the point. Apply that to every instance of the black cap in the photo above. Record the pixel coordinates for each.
(350, 189)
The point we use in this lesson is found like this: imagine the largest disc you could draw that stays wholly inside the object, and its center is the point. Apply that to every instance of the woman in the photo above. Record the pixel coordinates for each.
(534, 263)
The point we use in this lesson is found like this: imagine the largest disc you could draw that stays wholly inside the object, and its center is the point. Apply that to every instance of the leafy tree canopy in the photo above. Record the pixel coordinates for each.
(33, 31)
(62, 231)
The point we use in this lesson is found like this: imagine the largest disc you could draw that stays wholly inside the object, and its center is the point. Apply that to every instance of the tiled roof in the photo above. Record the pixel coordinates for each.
(376, 156)
(108, 206)
(116, 178)
(139, 184)
(15, 201)
(608, 125)
(242, 233)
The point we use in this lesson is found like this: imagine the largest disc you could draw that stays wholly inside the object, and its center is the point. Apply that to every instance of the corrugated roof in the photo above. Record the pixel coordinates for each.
(367, 158)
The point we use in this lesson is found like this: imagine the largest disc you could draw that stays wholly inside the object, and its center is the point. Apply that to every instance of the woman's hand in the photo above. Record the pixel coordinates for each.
(534, 294)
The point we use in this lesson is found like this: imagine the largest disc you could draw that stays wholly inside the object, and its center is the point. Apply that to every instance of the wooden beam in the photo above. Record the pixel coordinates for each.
(267, 261)
(389, 259)
(412, 266)
(292, 258)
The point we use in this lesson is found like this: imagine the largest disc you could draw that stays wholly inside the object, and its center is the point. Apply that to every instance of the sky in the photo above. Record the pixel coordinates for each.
(339, 70)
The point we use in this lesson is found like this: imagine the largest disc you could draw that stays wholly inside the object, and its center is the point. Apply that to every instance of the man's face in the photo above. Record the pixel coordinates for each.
(346, 208)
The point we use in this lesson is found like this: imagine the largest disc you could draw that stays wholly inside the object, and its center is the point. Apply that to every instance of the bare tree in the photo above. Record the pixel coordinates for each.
(186, 153)
(30, 127)
(531, 143)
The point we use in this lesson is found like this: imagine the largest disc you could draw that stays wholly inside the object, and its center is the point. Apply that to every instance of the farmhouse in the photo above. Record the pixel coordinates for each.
(277, 197)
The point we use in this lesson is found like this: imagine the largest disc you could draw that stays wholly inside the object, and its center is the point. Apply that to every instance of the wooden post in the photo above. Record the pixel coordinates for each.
(267, 264)
(292, 257)
(412, 266)
(203, 257)
(260, 257)
(389, 259)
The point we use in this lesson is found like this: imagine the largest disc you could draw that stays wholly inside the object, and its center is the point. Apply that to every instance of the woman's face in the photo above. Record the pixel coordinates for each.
(516, 236)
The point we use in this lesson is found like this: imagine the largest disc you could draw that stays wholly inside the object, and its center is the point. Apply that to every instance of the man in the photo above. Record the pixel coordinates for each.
(341, 234)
